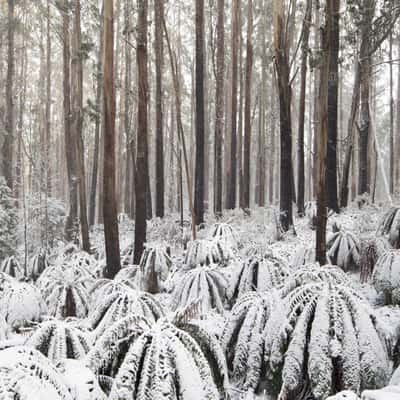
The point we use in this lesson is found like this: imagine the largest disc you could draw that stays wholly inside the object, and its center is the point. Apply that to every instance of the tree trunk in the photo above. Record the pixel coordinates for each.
(302, 107)
(141, 157)
(158, 49)
(391, 118)
(111, 235)
(48, 103)
(284, 91)
(231, 189)
(199, 169)
(397, 139)
(219, 109)
(247, 107)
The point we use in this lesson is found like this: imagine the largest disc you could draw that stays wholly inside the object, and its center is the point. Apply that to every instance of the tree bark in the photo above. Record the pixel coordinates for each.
(391, 117)
(141, 157)
(219, 109)
(111, 234)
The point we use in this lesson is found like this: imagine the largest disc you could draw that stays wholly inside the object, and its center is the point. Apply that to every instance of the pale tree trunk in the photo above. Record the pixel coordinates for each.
(219, 109)
(397, 139)
(391, 117)
(111, 234)
(48, 102)
(247, 108)
(302, 108)
(142, 152)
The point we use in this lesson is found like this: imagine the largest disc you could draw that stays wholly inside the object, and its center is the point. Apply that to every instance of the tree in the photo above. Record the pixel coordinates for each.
(199, 169)
(247, 107)
(284, 90)
(302, 105)
(141, 156)
(158, 49)
(111, 234)
(219, 109)
(231, 186)
(7, 143)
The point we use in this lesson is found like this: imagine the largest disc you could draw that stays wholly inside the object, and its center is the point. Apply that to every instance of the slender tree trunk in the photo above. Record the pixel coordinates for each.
(247, 108)
(199, 168)
(94, 177)
(158, 35)
(391, 117)
(302, 108)
(397, 139)
(7, 144)
(231, 195)
(284, 91)
(219, 109)
(111, 234)
(333, 86)
(48, 103)
(141, 157)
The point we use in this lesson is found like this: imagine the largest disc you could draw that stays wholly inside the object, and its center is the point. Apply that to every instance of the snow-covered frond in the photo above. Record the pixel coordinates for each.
(4, 329)
(37, 264)
(386, 276)
(207, 285)
(127, 255)
(257, 274)
(226, 234)
(58, 340)
(12, 267)
(390, 226)
(203, 252)
(328, 339)
(302, 256)
(154, 265)
(26, 374)
(20, 302)
(315, 273)
(121, 304)
(371, 250)
(165, 362)
(103, 288)
(310, 211)
(243, 338)
(343, 249)
(129, 275)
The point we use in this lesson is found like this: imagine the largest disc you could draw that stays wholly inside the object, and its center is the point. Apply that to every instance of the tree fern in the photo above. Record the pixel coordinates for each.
(37, 264)
(343, 249)
(205, 284)
(58, 340)
(327, 338)
(226, 235)
(390, 226)
(12, 267)
(371, 250)
(204, 252)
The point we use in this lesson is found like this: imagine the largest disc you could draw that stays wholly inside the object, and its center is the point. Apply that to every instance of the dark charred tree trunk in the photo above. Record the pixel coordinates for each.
(141, 156)
(200, 133)
(333, 91)
(159, 59)
(111, 234)
(247, 108)
(219, 109)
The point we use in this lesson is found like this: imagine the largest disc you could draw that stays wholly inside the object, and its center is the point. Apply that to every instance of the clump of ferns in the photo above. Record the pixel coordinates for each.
(65, 288)
(207, 285)
(386, 276)
(155, 265)
(58, 340)
(37, 264)
(343, 249)
(204, 252)
(243, 334)
(12, 267)
(20, 303)
(302, 256)
(323, 336)
(120, 304)
(390, 226)
(371, 250)
(127, 255)
(257, 274)
(169, 359)
(226, 234)
(23, 369)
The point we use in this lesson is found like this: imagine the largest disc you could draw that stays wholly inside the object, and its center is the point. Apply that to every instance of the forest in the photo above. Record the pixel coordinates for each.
(200, 199)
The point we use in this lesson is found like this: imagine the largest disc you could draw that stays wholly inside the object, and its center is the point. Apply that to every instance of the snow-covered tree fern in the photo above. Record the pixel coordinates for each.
(202, 252)
(243, 334)
(8, 221)
(225, 234)
(159, 361)
(58, 340)
(155, 265)
(371, 250)
(324, 335)
(27, 374)
(129, 274)
(20, 302)
(343, 249)
(386, 276)
(390, 226)
(120, 304)
(207, 285)
(103, 288)
(302, 256)
(37, 264)
(257, 274)
(12, 267)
